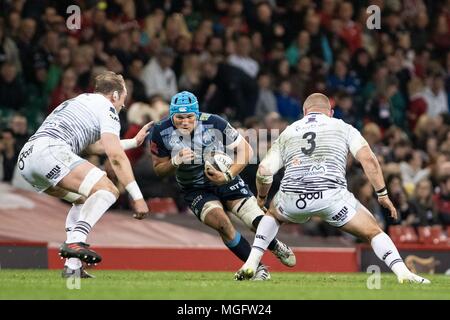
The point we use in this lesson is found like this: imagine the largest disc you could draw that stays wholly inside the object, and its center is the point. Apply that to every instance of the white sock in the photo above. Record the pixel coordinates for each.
(71, 220)
(386, 251)
(266, 232)
(92, 210)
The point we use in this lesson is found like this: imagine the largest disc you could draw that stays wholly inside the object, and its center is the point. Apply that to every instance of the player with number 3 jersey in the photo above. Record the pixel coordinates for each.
(314, 153)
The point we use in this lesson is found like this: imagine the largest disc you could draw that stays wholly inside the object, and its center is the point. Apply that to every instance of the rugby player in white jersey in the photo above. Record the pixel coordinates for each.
(314, 153)
(50, 162)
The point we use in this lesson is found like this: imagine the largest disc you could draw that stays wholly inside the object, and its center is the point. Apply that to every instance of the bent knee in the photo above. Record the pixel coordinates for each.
(369, 234)
(106, 186)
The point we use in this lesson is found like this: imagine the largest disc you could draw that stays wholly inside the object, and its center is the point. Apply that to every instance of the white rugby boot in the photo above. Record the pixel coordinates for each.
(284, 254)
(412, 278)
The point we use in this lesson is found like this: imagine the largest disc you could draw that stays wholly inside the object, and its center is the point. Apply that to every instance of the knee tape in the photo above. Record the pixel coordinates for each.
(208, 207)
(92, 177)
(247, 210)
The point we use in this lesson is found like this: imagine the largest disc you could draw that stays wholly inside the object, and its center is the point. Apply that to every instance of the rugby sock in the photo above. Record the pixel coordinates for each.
(239, 246)
(255, 223)
(71, 220)
(386, 251)
(92, 210)
(266, 232)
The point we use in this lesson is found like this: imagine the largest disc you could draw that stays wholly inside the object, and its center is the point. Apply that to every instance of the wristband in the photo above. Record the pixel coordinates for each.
(134, 191)
(176, 161)
(382, 192)
(128, 143)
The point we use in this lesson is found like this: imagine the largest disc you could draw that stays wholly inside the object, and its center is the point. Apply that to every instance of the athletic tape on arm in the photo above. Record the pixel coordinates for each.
(271, 164)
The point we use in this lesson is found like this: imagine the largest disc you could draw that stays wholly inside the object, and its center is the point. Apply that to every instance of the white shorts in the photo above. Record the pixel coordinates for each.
(45, 161)
(335, 206)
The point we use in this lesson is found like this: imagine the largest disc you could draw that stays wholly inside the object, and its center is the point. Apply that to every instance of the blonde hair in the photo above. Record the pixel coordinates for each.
(108, 82)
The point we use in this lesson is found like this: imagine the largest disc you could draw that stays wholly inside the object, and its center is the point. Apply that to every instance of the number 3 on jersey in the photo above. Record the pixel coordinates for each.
(310, 139)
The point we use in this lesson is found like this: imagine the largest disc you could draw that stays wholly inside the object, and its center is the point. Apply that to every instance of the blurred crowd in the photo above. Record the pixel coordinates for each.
(253, 62)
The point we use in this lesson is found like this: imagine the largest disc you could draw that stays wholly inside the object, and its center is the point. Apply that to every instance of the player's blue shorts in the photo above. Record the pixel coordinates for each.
(236, 189)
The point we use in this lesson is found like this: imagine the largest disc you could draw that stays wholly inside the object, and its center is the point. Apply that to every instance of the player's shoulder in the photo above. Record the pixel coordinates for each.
(97, 103)
(162, 125)
(341, 124)
(209, 118)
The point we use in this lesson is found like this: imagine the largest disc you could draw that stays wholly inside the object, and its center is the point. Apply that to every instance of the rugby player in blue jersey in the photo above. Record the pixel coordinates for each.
(181, 144)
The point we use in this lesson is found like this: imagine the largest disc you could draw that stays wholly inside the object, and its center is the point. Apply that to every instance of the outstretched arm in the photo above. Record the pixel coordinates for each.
(126, 144)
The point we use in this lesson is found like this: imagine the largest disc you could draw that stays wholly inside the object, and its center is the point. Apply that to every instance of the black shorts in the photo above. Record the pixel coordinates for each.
(236, 189)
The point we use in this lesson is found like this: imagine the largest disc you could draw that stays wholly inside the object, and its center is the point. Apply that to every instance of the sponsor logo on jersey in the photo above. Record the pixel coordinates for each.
(387, 254)
(204, 116)
(196, 200)
(24, 155)
(231, 133)
(311, 118)
(208, 138)
(259, 236)
(302, 197)
(341, 215)
(316, 170)
(54, 173)
(114, 117)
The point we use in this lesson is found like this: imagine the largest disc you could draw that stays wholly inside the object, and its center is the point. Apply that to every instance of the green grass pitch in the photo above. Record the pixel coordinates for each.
(46, 284)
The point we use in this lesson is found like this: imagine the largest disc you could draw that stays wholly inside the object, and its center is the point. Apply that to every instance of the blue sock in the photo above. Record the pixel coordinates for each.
(239, 246)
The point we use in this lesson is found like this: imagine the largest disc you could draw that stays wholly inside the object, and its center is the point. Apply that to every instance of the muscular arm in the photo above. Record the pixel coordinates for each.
(119, 160)
(163, 166)
(373, 172)
(371, 167)
(244, 154)
(98, 149)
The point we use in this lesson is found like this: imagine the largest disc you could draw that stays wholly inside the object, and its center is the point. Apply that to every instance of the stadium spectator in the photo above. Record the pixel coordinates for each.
(442, 200)
(266, 99)
(12, 89)
(242, 60)
(435, 96)
(8, 49)
(19, 126)
(288, 106)
(344, 108)
(417, 105)
(412, 170)
(341, 79)
(157, 75)
(66, 90)
(8, 154)
(422, 204)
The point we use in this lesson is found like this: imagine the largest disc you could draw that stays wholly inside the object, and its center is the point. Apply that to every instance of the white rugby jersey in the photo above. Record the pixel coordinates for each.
(314, 152)
(80, 121)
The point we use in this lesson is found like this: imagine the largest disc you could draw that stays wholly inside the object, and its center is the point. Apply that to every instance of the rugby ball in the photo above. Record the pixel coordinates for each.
(219, 160)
